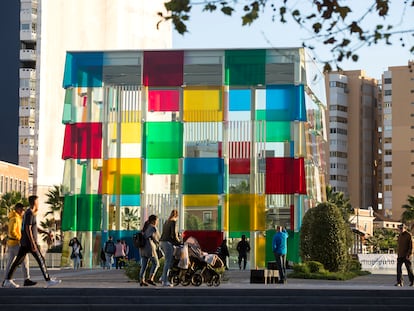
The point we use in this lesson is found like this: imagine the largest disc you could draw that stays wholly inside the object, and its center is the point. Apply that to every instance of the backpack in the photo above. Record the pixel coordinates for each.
(110, 247)
(138, 239)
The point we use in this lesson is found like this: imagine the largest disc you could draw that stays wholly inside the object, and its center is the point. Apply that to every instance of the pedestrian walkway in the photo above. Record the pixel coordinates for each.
(99, 278)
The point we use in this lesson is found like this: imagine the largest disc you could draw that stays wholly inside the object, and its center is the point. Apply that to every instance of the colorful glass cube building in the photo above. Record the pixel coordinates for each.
(233, 139)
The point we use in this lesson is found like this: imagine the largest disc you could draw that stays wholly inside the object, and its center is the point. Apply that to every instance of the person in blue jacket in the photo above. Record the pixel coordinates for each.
(279, 245)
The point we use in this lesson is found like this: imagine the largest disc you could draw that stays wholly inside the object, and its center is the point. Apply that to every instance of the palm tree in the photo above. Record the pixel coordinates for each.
(339, 199)
(130, 218)
(408, 215)
(55, 200)
(47, 232)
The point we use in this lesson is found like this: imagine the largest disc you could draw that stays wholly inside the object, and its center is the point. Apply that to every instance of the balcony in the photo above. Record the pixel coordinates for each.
(28, 16)
(27, 92)
(27, 73)
(27, 112)
(26, 131)
(27, 35)
(27, 55)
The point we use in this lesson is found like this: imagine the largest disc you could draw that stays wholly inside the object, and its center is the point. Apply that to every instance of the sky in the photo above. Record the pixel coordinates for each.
(215, 30)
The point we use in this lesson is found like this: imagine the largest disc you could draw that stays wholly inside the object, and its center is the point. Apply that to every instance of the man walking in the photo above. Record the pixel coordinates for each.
(109, 249)
(279, 245)
(14, 235)
(404, 252)
(28, 244)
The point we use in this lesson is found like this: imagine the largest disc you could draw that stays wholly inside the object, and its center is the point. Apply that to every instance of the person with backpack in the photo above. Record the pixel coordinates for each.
(109, 250)
(149, 251)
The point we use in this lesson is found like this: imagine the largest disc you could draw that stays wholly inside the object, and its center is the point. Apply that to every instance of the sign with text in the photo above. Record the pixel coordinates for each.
(378, 261)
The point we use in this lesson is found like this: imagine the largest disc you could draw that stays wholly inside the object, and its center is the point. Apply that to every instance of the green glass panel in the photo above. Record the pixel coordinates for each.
(239, 217)
(261, 115)
(245, 67)
(130, 184)
(162, 166)
(163, 140)
(67, 107)
(238, 234)
(219, 217)
(275, 131)
(82, 213)
(89, 212)
(203, 184)
(69, 213)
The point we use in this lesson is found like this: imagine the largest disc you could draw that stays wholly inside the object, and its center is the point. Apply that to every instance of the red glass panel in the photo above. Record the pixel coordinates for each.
(239, 166)
(285, 176)
(209, 240)
(163, 100)
(82, 141)
(163, 68)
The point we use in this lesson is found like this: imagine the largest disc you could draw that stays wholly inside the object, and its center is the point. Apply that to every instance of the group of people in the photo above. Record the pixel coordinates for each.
(114, 252)
(156, 246)
(22, 240)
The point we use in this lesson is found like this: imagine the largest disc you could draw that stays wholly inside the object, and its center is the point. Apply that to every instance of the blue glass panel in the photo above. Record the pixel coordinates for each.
(127, 199)
(203, 166)
(285, 103)
(239, 100)
(83, 69)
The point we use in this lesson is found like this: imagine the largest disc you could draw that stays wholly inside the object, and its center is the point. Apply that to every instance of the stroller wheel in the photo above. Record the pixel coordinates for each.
(216, 280)
(185, 281)
(197, 279)
(175, 280)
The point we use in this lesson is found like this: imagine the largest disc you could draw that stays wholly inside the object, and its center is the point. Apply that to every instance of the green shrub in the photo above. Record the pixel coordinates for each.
(354, 265)
(324, 237)
(133, 267)
(301, 268)
(315, 266)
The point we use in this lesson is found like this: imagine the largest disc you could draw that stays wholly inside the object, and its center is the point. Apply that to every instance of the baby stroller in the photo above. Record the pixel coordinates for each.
(193, 266)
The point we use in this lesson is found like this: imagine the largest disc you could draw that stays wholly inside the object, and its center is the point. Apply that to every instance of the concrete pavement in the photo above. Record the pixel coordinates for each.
(99, 278)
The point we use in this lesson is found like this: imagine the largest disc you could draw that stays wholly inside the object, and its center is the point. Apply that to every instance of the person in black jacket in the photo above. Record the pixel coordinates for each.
(243, 247)
(223, 252)
(169, 238)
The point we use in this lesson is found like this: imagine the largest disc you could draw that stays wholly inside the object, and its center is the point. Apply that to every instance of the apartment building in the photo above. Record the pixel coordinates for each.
(352, 102)
(397, 138)
(50, 28)
(13, 178)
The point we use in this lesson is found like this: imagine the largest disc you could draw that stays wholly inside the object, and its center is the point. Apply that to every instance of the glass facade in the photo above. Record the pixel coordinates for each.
(234, 139)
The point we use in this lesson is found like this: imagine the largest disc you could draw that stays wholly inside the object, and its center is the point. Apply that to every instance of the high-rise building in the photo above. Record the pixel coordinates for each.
(50, 28)
(397, 138)
(352, 103)
(9, 81)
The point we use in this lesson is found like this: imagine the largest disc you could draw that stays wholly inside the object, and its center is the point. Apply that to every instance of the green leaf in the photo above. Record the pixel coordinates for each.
(317, 27)
(227, 10)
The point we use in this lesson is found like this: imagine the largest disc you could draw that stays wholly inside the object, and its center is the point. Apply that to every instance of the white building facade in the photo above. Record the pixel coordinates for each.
(50, 28)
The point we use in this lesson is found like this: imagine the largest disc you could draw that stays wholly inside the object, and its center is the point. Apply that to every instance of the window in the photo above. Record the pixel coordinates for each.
(25, 27)
(388, 92)
(207, 217)
(387, 81)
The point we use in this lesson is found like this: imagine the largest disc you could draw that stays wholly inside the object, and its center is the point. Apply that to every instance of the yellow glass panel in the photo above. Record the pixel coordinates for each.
(112, 171)
(260, 251)
(201, 200)
(203, 104)
(257, 213)
(131, 133)
(226, 213)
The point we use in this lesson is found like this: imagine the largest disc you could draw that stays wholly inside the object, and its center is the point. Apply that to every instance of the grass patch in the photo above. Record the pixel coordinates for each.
(315, 270)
